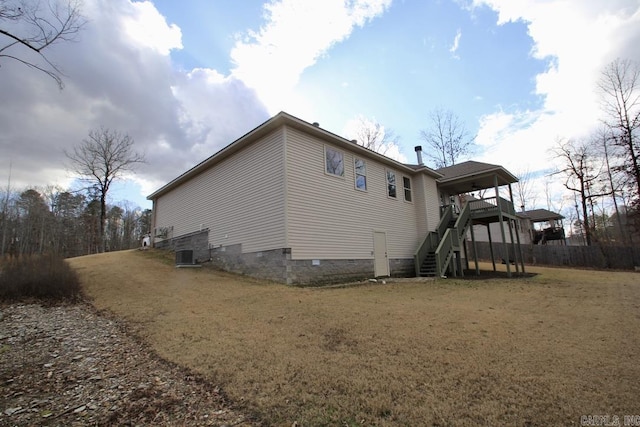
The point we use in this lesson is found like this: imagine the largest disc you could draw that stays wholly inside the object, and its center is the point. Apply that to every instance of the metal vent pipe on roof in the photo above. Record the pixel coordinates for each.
(418, 149)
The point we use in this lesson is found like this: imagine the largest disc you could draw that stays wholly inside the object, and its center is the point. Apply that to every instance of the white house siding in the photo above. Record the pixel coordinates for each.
(432, 203)
(481, 234)
(421, 202)
(328, 218)
(240, 200)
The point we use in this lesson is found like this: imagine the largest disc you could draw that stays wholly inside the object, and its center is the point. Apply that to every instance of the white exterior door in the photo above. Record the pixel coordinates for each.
(380, 256)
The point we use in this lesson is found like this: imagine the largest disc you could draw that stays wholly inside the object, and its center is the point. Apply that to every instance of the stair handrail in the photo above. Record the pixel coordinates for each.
(432, 238)
(428, 245)
(452, 238)
(444, 239)
(443, 252)
(447, 216)
(462, 223)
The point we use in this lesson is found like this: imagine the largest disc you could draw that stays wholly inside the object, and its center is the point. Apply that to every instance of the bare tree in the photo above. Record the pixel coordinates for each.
(5, 212)
(620, 94)
(374, 136)
(447, 137)
(27, 28)
(525, 194)
(616, 182)
(582, 176)
(102, 158)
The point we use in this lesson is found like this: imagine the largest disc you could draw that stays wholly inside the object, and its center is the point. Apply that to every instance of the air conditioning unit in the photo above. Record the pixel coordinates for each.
(185, 257)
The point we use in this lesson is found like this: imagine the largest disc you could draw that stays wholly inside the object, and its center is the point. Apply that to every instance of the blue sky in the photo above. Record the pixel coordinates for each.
(186, 78)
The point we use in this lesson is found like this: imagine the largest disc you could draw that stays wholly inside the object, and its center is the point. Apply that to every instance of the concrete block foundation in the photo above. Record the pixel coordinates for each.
(276, 264)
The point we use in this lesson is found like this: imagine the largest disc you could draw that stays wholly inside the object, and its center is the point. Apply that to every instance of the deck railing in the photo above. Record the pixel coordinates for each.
(491, 205)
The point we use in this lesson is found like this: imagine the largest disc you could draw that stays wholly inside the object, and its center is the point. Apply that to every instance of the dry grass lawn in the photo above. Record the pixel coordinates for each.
(535, 351)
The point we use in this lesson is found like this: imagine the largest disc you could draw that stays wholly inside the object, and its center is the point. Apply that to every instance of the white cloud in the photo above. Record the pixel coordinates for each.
(119, 75)
(578, 38)
(456, 44)
(296, 34)
(147, 27)
(124, 81)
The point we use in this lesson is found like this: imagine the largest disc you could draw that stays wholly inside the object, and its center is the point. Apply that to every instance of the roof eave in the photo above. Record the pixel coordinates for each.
(511, 179)
(273, 123)
(244, 140)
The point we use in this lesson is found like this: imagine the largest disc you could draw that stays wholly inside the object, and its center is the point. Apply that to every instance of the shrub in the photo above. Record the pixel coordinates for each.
(44, 277)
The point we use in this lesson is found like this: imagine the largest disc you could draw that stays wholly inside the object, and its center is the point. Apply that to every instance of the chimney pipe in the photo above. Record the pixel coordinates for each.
(418, 149)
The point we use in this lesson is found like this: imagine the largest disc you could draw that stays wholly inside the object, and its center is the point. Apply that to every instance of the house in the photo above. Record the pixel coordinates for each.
(534, 227)
(544, 227)
(292, 202)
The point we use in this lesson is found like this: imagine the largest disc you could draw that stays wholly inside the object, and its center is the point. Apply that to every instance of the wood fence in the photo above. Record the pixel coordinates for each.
(602, 257)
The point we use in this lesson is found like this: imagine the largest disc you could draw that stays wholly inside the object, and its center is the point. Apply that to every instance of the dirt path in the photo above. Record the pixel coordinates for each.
(68, 365)
(540, 351)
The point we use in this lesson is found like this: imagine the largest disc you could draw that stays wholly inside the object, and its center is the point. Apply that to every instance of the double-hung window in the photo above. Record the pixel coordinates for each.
(333, 161)
(391, 184)
(360, 167)
(406, 183)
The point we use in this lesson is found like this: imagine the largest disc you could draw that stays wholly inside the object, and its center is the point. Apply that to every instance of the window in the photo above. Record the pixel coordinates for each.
(406, 182)
(391, 184)
(361, 174)
(334, 161)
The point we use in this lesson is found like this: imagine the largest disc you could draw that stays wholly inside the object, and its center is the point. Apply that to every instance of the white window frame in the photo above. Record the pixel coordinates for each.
(357, 174)
(388, 183)
(326, 164)
(405, 189)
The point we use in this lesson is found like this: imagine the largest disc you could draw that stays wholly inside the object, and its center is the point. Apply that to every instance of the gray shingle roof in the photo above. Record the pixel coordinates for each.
(470, 167)
(539, 215)
(470, 176)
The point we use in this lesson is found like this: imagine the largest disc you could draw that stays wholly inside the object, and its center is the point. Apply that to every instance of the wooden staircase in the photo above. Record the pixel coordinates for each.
(429, 267)
(433, 257)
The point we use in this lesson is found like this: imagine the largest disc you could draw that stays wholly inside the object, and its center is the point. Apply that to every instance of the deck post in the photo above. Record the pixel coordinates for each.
(520, 250)
(501, 221)
(517, 234)
(493, 258)
(512, 223)
(475, 249)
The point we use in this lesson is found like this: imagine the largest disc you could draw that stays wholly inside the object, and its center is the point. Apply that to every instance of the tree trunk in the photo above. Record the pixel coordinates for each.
(103, 220)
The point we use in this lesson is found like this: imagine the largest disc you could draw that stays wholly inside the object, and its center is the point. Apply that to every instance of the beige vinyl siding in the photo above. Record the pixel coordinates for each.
(432, 203)
(328, 218)
(420, 190)
(241, 199)
(427, 204)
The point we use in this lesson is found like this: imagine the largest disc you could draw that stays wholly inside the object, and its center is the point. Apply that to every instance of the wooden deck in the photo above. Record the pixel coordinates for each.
(487, 211)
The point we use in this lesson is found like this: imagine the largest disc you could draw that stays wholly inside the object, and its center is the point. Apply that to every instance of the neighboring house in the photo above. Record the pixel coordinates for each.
(292, 202)
(544, 227)
(537, 227)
